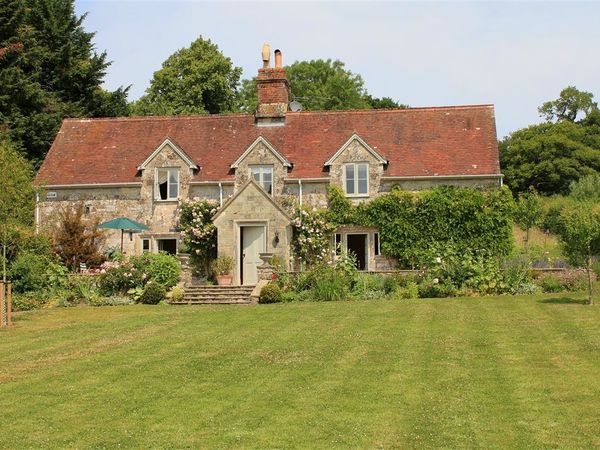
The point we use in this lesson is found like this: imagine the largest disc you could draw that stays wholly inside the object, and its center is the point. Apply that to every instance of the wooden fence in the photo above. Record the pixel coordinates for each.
(5, 304)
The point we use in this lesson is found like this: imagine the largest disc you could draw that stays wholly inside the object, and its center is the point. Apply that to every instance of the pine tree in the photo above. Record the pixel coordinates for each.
(49, 70)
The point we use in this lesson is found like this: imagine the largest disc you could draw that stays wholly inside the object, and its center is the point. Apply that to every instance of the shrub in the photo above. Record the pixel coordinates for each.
(271, 293)
(177, 294)
(433, 288)
(153, 294)
(223, 265)
(569, 280)
(160, 268)
(390, 284)
(290, 296)
(34, 273)
(77, 240)
(28, 301)
(120, 279)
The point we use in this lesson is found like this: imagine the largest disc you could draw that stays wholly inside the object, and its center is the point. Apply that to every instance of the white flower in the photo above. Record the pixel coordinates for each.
(438, 260)
(436, 281)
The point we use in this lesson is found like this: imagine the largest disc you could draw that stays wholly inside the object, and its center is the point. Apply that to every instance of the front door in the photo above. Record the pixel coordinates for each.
(357, 244)
(253, 243)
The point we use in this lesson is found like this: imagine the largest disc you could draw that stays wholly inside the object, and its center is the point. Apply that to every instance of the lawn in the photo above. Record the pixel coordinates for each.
(491, 372)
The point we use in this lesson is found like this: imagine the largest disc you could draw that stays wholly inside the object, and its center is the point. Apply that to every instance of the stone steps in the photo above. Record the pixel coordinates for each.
(216, 295)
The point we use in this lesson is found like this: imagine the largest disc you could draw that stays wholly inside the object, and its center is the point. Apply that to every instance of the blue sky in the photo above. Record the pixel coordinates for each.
(515, 55)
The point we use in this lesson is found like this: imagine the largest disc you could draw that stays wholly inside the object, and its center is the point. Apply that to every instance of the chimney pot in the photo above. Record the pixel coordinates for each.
(266, 55)
(278, 59)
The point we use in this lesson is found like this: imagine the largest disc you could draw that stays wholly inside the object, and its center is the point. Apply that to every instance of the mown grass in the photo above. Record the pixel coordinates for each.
(491, 372)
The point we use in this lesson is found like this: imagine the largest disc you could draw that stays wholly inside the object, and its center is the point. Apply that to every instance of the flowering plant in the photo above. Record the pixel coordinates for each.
(312, 235)
(199, 231)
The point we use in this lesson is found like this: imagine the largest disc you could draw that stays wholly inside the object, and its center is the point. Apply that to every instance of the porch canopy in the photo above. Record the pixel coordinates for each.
(123, 223)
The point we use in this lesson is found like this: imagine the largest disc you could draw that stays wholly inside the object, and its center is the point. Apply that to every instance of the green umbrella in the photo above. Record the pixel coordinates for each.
(123, 223)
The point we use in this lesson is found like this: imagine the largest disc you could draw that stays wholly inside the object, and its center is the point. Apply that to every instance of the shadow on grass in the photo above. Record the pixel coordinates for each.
(565, 301)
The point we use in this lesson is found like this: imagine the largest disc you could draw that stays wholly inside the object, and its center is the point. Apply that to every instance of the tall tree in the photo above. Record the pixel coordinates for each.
(49, 70)
(17, 196)
(552, 155)
(195, 80)
(321, 85)
(568, 105)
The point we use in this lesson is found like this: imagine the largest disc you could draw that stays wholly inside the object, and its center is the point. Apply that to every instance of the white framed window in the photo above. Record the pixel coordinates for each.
(356, 179)
(145, 245)
(263, 175)
(167, 184)
(376, 244)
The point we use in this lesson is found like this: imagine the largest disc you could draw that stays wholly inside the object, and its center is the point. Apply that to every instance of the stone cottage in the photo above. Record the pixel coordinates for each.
(141, 167)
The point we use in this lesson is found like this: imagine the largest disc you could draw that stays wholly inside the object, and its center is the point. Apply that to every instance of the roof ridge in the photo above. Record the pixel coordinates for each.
(323, 112)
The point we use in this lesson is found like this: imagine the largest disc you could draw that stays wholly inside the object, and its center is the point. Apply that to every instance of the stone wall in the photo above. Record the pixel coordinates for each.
(261, 155)
(252, 207)
(356, 152)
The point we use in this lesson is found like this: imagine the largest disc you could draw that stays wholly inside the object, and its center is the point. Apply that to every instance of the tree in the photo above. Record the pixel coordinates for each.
(49, 70)
(321, 85)
(384, 103)
(194, 80)
(550, 156)
(17, 197)
(586, 188)
(580, 236)
(568, 105)
(528, 213)
(77, 240)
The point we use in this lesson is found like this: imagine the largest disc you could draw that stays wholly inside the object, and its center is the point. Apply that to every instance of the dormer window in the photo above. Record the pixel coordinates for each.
(356, 179)
(263, 175)
(166, 184)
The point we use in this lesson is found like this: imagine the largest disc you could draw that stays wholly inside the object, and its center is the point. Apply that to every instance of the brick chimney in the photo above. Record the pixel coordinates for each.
(273, 90)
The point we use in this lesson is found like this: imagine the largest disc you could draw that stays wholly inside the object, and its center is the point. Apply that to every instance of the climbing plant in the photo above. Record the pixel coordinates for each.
(312, 235)
(199, 231)
(410, 224)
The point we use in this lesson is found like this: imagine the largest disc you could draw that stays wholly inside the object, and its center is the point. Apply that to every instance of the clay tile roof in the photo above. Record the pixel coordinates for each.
(459, 140)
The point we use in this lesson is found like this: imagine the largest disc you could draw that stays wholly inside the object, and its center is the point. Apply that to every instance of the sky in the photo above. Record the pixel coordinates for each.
(515, 55)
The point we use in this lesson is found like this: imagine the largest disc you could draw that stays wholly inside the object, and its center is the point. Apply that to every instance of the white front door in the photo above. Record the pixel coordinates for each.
(253, 243)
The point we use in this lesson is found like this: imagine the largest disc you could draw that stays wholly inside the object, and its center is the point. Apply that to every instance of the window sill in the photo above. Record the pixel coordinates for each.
(158, 200)
(357, 195)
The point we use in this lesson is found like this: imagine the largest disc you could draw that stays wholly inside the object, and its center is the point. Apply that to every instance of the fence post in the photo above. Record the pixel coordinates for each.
(9, 304)
(1, 303)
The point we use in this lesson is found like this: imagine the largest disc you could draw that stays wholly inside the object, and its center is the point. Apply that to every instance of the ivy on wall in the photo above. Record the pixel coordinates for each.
(411, 225)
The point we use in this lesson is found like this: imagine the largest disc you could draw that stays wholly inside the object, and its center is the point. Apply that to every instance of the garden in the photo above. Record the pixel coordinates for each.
(449, 242)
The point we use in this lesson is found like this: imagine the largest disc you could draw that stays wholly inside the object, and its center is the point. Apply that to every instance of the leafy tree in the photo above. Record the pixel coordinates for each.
(568, 105)
(528, 213)
(49, 70)
(580, 236)
(194, 80)
(77, 240)
(586, 188)
(550, 156)
(321, 85)
(384, 103)
(17, 197)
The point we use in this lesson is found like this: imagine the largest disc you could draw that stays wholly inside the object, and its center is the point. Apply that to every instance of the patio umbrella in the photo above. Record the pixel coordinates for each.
(123, 223)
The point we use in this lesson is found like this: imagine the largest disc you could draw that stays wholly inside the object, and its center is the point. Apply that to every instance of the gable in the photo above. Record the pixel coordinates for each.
(356, 138)
(168, 144)
(251, 202)
(260, 141)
